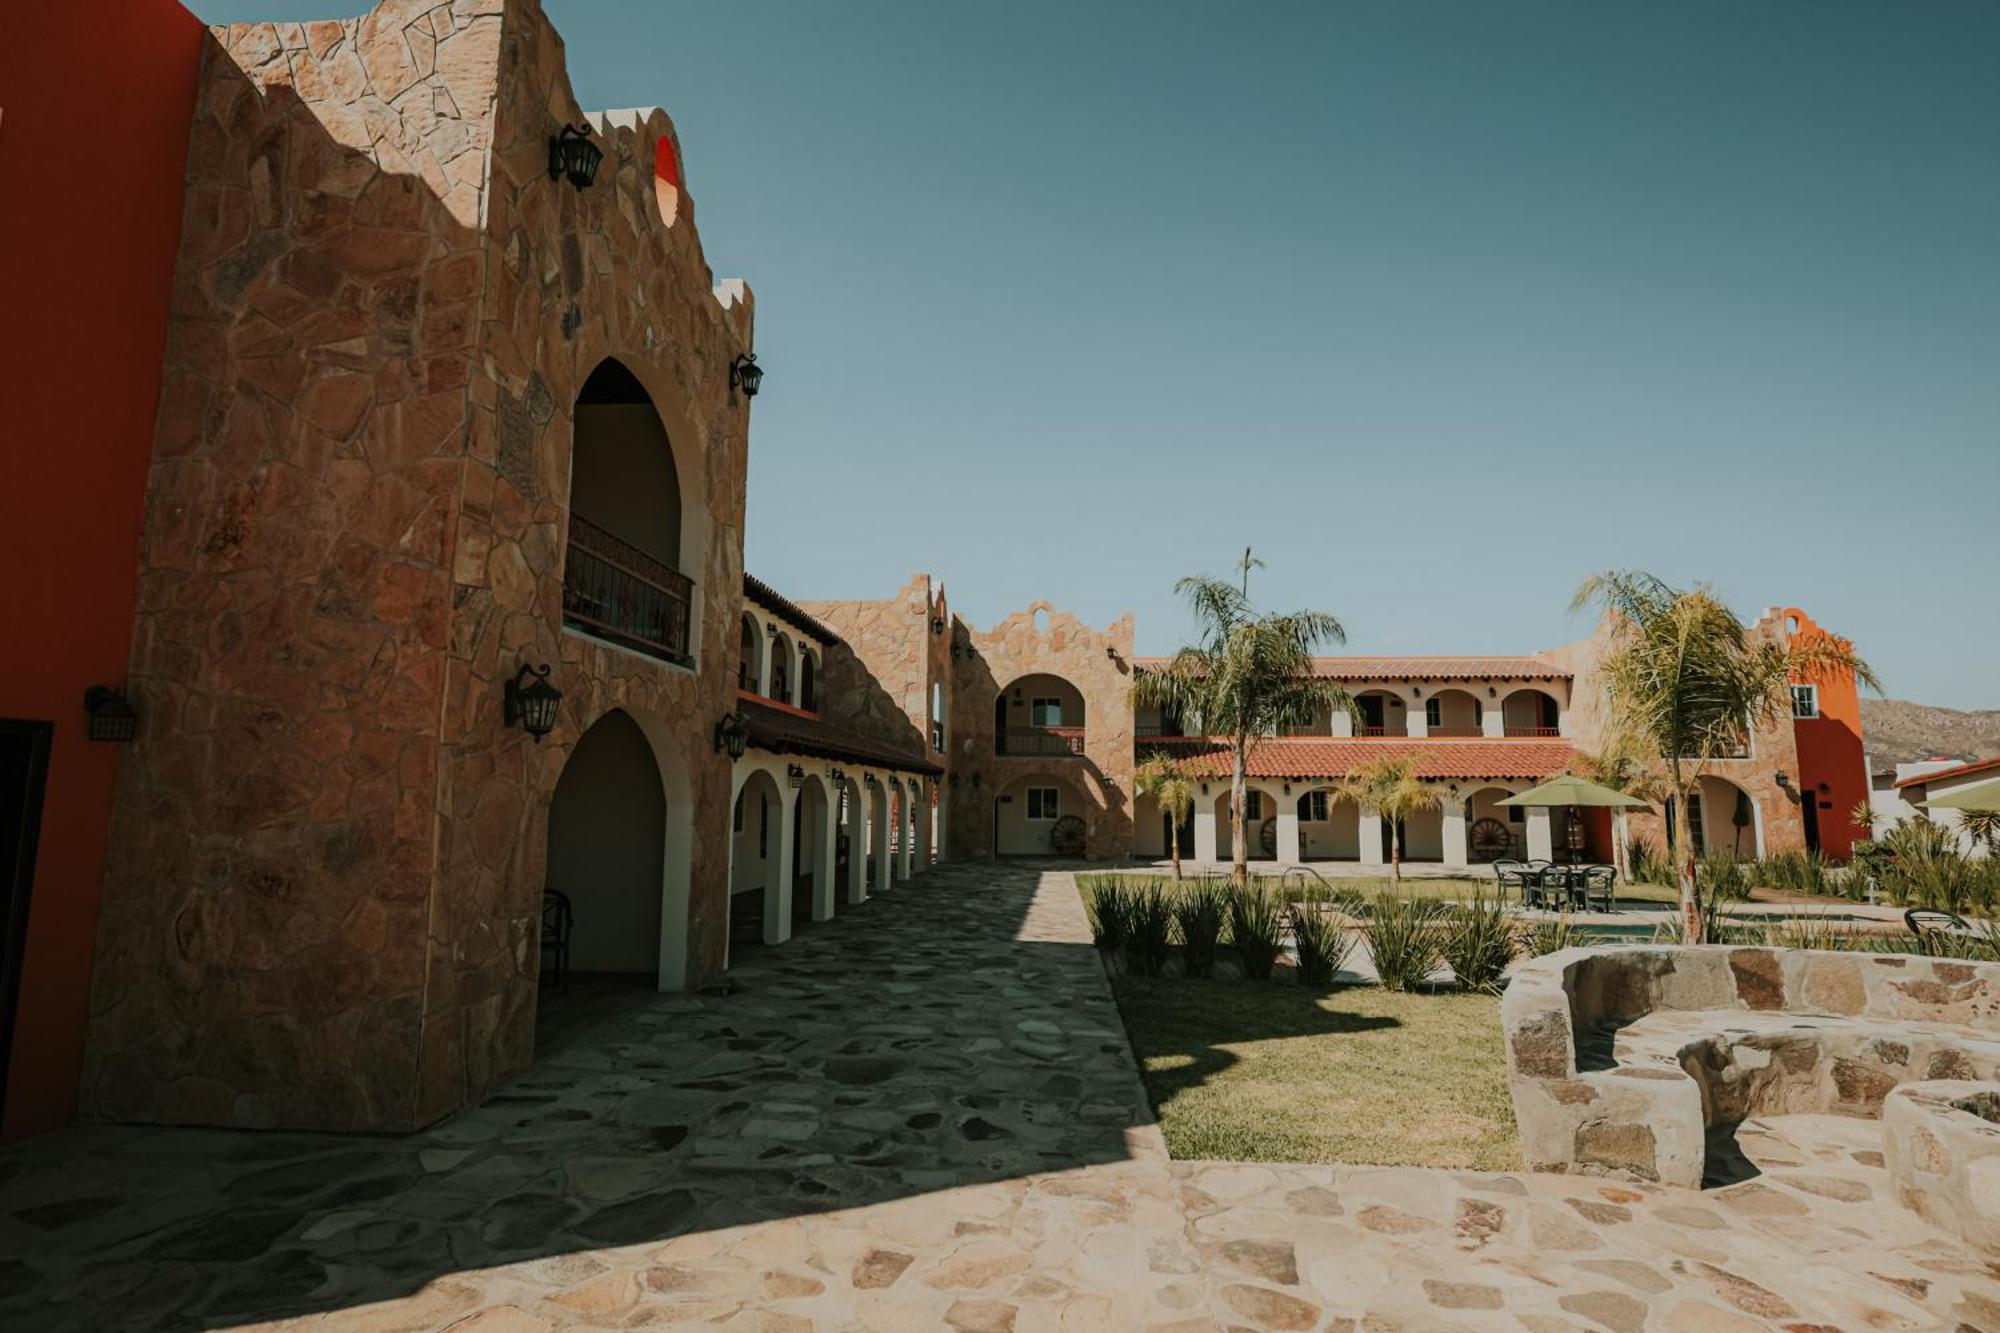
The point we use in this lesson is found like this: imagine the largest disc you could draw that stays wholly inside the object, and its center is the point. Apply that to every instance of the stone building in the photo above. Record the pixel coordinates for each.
(430, 416)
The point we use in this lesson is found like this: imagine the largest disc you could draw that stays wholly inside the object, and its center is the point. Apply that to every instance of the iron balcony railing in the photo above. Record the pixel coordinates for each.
(1457, 731)
(1042, 740)
(1515, 731)
(615, 591)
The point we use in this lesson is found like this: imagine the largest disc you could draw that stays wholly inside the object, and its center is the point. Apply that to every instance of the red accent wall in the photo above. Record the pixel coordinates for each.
(1833, 767)
(94, 117)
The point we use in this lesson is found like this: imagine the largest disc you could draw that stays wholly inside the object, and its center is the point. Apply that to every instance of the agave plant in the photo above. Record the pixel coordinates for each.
(1319, 933)
(1406, 938)
(1200, 911)
(1256, 928)
(1149, 928)
(1479, 943)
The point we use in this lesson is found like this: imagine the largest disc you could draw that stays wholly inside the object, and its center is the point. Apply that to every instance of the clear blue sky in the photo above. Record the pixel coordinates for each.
(1439, 305)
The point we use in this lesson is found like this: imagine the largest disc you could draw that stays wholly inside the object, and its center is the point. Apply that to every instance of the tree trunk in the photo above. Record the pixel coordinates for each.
(1239, 844)
(1683, 865)
(1174, 843)
(1395, 853)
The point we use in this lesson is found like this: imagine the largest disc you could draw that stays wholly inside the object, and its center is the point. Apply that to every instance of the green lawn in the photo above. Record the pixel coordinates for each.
(1268, 1072)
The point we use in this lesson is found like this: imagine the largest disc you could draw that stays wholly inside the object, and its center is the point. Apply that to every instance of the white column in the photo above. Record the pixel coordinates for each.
(1491, 721)
(1343, 722)
(1371, 837)
(1204, 832)
(1541, 839)
(764, 656)
(906, 817)
(778, 874)
(1415, 720)
(857, 842)
(1288, 831)
(1456, 855)
(923, 825)
(879, 817)
(939, 841)
(825, 865)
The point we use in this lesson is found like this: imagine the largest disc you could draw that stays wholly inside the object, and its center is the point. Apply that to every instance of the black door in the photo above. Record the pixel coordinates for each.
(1809, 808)
(24, 771)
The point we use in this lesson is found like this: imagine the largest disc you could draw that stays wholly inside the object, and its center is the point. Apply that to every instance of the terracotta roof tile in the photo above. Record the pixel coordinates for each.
(784, 730)
(1419, 668)
(1317, 757)
(783, 607)
(1965, 770)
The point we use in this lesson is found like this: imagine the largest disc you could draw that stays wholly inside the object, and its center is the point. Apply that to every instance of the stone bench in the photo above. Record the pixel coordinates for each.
(1619, 1059)
(1941, 1143)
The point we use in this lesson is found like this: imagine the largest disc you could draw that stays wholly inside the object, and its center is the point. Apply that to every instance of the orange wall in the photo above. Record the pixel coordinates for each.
(1830, 750)
(94, 116)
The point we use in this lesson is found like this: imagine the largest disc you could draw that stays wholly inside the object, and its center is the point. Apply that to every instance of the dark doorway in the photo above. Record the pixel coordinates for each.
(1000, 723)
(1184, 835)
(24, 773)
(1809, 811)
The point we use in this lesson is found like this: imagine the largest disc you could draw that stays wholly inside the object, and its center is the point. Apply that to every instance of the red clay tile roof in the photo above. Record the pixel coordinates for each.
(1953, 774)
(782, 730)
(1419, 668)
(1319, 757)
(764, 595)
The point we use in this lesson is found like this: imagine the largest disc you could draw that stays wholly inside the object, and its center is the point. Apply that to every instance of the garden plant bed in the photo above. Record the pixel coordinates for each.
(1275, 1073)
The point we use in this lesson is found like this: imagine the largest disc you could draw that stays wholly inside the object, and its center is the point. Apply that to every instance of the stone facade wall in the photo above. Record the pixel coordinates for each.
(1098, 663)
(327, 851)
(878, 681)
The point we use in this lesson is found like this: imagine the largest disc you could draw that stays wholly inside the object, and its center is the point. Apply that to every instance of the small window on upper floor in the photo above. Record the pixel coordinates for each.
(1434, 712)
(1805, 701)
(1046, 713)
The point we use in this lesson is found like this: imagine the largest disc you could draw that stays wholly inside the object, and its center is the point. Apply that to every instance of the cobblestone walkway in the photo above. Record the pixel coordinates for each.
(920, 1116)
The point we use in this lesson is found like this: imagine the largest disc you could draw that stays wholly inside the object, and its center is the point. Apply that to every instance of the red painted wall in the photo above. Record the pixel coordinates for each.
(94, 114)
(1833, 767)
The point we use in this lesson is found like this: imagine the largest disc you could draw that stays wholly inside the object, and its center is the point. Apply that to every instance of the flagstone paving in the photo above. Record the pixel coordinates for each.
(923, 1115)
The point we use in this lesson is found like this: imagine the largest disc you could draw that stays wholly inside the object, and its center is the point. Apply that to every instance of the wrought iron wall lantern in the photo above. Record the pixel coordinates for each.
(835, 776)
(732, 735)
(746, 374)
(531, 702)
(573, 156)
(111, 715)
(795, 775)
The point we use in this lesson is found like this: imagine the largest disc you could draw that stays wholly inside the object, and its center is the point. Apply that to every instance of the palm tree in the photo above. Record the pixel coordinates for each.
(1389, 786)
(1981, 826)
(1248, 677)
(1623, 764)
(1686, 675)
(1173, 791)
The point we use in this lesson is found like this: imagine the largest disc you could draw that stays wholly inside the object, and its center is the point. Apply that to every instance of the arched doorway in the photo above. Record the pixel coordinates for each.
(1329, 827)
(1453, 712)
(618, 851)
(1494, 832)
(781, 668)
(1383, 713)
(1723, 817)
(749, 658)
(1028, 811)
(1423, 835)
(808, 680)
(627, 540)
(758, 863)
(814, 888)
(1531, 712)
(1039, 714)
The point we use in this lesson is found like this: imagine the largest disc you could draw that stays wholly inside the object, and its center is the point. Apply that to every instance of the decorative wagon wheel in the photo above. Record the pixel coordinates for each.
(1267, 838)
(1066, 836)
(1488, 840)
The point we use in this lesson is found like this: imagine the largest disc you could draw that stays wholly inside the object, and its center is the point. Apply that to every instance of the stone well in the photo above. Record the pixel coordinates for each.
(1941, 1139)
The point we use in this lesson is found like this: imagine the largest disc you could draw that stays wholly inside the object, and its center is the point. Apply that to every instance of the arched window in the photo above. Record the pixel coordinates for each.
(746, 655)
(808, 681)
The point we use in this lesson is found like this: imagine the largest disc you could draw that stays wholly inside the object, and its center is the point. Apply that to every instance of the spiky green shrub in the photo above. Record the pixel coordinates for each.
(1319, 932)
(1406, 938)
(1256, 928)
(1201, 910)
(1551, 935)
(1105, 901)
(1649, 865)
(1722, 878)
(1149, 927)
(1810, 932)
(1794, 872)
(1478, 943)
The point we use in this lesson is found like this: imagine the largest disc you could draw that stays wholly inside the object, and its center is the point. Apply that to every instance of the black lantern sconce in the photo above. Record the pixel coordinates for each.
(795, 775)
(112, 717)
(574, 156)
(732, 736)
(1492, 693)
(937, 624)
(531, 702)
(746, 374)
(835, 776)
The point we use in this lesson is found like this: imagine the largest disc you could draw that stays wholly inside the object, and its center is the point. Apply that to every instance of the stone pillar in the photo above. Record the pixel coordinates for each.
(825, 865)
(857, 842)
(1491, 720)
(778, 873)
(1288, 832)
(1371, 838)
(1456, 854)
(879, 810)
(1204, 832)
(1541, 838)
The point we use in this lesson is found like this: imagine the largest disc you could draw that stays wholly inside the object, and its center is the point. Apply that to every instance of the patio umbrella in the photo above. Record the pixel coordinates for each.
(1986, 796)
(1569, 790)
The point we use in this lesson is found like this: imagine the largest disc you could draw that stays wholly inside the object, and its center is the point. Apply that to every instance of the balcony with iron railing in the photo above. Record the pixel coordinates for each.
(1054, 742)
(1521, 732)
(615, 591)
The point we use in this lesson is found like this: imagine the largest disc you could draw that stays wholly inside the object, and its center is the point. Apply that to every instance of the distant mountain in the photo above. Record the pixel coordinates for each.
(1896, 731)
